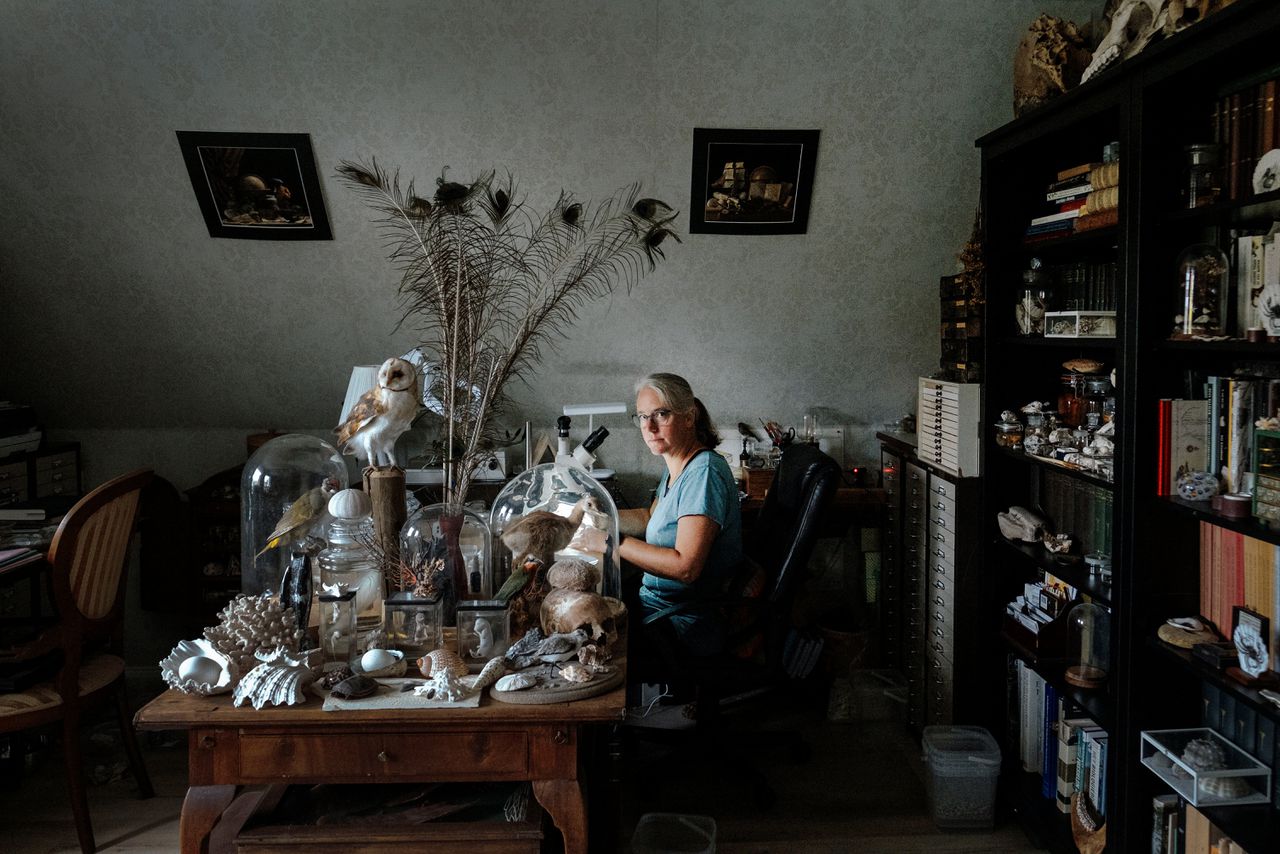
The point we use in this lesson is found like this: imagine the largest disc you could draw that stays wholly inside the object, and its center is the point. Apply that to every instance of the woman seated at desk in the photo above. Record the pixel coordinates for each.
(692, 533)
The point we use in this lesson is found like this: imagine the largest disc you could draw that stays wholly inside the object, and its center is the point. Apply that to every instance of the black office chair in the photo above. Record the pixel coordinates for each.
(779, 542)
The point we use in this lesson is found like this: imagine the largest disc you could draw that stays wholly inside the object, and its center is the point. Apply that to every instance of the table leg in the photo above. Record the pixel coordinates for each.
(566, 802)
(201, 810)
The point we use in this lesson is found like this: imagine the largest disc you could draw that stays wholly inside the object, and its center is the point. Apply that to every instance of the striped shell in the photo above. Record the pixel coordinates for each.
(442, 659)
(172, 670)
(280, 680)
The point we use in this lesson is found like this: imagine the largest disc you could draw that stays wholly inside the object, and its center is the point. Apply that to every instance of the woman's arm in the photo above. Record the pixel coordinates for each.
(684, 563)
(632, 523)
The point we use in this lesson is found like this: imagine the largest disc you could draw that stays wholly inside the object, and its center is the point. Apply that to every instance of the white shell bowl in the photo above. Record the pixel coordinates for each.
(206, 681)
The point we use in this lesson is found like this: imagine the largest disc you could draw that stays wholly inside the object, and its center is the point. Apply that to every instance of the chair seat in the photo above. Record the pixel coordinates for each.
(96, 673)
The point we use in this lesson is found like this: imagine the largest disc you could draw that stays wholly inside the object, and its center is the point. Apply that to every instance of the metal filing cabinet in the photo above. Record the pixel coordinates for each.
(890, 594)
(930, 536)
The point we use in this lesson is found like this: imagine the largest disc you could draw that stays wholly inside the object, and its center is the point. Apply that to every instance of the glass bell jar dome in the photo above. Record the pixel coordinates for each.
(1089, 645)
(445, 551)
(586, 526)
(284, 495)
(1202, 290)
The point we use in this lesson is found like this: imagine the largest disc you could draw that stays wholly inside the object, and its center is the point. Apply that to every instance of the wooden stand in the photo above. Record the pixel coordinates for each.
(1268, 679)
(385, 487)
(1084, 676)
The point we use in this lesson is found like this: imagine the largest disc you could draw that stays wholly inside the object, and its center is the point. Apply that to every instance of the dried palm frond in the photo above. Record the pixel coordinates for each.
(489, 284)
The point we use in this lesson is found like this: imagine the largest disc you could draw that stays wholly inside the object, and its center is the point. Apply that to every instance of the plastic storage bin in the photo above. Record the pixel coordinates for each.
(963, 765)
(668, 833)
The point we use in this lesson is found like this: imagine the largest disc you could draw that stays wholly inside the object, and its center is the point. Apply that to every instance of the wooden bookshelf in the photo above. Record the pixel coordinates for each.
(1153, 104)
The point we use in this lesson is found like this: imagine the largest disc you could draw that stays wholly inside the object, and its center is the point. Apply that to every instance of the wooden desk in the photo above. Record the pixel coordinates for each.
(230, 747)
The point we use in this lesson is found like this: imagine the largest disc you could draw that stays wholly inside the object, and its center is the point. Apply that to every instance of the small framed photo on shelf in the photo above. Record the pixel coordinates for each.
(1251, 634)
(256, 186)
(752, 181)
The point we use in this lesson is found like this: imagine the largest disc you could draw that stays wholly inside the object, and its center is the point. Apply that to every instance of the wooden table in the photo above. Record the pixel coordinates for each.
(231, 747)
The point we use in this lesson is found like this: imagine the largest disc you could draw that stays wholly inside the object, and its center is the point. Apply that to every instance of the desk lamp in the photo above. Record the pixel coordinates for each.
(591, 410)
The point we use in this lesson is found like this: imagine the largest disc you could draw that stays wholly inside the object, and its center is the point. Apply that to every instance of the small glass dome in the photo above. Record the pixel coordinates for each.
(1089, 645)
(445, 551)
(284, 492)
(562, 488)
(1203, 272)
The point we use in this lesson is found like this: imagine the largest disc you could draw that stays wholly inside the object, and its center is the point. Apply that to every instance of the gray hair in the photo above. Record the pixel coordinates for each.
(675, 391)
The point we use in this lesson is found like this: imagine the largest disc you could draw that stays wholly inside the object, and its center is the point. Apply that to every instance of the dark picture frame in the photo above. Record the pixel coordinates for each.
(256, 186)
(751, 181)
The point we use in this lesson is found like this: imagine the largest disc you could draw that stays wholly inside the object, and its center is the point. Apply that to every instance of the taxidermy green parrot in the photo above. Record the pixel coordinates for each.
(534, 539)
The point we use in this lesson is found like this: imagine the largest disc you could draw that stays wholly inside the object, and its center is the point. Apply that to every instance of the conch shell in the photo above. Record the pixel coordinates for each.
(442, 660)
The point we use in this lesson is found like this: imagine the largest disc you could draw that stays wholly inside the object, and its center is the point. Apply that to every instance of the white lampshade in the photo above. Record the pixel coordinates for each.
(363, 378)
(572, 409)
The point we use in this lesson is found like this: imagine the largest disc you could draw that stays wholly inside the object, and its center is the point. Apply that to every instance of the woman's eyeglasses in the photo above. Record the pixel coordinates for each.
(658, 416)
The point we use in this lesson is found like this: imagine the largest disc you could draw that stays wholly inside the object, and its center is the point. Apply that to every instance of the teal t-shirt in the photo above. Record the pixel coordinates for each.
(705, 488)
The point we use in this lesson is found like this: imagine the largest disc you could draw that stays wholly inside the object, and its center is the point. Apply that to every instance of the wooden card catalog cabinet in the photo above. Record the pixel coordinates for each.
(947, 416)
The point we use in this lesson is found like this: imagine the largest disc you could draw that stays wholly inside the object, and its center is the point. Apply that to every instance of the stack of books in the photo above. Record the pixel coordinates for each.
(1067, 194)
(1058, 740)
(1238, 570)
(1102, 205)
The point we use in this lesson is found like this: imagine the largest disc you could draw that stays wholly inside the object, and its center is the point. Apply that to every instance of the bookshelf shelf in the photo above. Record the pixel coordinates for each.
(1054, 465)
(1073, 573)
(1201, 510)
(1095, 703)
(1153, 105)
(1093, 345)
(1206, 673)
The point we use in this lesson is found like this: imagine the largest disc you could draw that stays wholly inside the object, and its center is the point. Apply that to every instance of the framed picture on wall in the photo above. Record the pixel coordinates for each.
(752, 181)
(257, 186)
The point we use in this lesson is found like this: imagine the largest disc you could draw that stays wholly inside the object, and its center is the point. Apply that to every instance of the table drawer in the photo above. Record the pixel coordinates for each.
(492, 755)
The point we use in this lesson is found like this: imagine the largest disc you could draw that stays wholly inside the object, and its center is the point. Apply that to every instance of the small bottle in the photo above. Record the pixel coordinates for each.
(1071, 400)
(1201, 184)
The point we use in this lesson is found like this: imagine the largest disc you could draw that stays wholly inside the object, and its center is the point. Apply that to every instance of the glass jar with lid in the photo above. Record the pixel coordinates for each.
(1071, 401)
(1033, 300)
(1009, 434)
(348, 564)
(1096, 390)
(1202, 181)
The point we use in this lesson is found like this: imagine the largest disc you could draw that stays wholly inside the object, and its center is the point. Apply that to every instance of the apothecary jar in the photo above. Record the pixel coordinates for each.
(566, 490)
(446, 550)
(286, 470)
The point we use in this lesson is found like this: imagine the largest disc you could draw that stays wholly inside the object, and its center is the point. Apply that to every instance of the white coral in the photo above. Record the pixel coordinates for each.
(249, 624)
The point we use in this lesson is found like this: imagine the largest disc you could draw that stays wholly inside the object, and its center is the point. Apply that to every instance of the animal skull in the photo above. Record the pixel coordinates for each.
(565, 611)
(1134, 23)
(1048, 62)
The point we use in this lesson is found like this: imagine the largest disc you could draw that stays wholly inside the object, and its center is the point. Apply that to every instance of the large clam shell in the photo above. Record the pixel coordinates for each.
(280, 680)
(198, 667)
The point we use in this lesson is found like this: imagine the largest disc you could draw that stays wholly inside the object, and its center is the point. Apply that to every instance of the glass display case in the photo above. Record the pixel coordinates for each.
(484, 631)
(337, 626)
(1202, 291)
(413, 623)
(284, 493)
(447, 552)
(565, 490)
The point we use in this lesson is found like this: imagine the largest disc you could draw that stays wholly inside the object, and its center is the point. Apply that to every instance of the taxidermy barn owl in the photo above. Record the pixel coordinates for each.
(381, 414)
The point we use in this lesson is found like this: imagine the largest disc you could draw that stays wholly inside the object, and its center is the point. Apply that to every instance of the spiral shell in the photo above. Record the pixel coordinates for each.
(249, 624)
(489, 674)
(442, 659)
(215, 673)
(279, 680)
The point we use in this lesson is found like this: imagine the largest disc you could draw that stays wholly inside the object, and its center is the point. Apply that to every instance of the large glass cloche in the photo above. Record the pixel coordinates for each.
(284, 497)
(587, 525)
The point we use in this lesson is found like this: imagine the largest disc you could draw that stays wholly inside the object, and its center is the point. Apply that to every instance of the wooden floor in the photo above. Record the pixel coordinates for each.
(861, 790)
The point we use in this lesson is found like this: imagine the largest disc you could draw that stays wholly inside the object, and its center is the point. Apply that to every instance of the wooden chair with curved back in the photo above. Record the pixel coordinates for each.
(88, 563)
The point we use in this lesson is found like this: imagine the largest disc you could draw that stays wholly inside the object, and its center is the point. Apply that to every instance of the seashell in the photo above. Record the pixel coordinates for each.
(379, 662)
(350, 504)
(576, 672)
(515, 682)
(593, 656)
(1083, 366)
(197, 667)
(489, 674)
(445, 685)
(279, 680)
(442, 659)
(354, 687)
(573, 574)
(251, 623)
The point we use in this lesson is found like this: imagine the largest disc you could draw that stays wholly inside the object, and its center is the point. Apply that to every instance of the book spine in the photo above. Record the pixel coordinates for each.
(1049, 745)
(1268, 123)
(1233, 146)
(1162, 446)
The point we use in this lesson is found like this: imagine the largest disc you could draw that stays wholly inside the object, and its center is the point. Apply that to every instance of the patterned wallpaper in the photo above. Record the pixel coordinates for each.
(128, 327)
